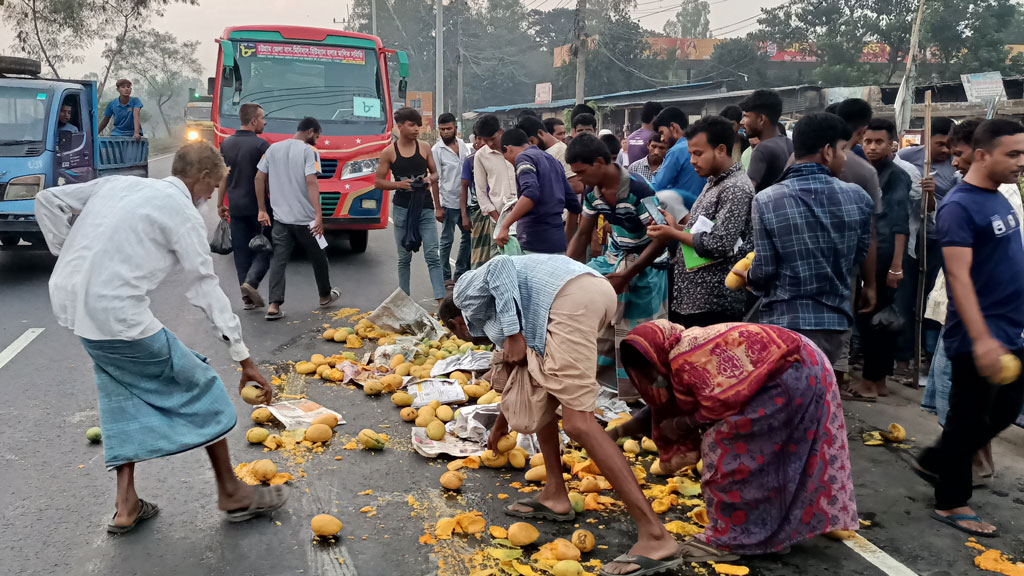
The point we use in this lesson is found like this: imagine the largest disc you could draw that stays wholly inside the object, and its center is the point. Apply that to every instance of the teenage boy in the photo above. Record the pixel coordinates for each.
(126, 111)
(416, 201)
(761, 113)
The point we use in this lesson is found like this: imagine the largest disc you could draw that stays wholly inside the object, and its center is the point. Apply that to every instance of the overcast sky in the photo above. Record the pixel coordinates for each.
(206, 21)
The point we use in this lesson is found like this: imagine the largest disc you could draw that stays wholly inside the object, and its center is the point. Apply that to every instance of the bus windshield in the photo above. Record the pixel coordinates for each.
(341, 87)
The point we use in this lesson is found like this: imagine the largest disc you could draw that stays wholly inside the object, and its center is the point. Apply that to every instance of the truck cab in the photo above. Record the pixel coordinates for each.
(48, 138)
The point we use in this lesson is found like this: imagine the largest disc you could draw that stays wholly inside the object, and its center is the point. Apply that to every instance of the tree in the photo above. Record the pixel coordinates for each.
(166, 66)
(891, 22)
(831, 30)
(55, 32)
(128, 16)
(551, 28)
(963, 36)
(691, 21)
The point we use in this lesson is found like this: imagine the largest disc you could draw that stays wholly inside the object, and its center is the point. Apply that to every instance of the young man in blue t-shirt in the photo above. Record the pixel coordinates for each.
(980, 237)
(126, 112)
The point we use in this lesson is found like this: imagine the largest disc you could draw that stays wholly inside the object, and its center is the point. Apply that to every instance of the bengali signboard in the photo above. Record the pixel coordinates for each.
(983, 86)
(543, 94)
(305, 52)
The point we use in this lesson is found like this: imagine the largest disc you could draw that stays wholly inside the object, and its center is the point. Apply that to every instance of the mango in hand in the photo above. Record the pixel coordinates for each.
(734, 281)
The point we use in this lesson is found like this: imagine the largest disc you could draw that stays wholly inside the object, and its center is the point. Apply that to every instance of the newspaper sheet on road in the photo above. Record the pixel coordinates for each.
(470, 361)
(295, 414)
(399, 313)
(444, 391)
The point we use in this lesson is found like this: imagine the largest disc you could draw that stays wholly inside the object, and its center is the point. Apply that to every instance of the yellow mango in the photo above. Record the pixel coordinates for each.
(409, 414)
(325, 525)
(538, 474)
(401, 399)
(584, 540)
(451, 480)
(522, 534)
(373, 387)
(319, 433)
(329, 334)
(396, 361)
(492, 460)
(444, 413)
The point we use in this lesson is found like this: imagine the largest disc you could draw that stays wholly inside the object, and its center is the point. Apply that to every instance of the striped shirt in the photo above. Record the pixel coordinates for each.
(511, 295)
(810, 231)
(628, 218)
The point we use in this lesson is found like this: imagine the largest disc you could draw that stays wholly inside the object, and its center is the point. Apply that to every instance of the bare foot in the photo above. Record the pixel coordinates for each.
(969, 524)
(659, 548)
(241, 496)
(126, 515)
(558, 503)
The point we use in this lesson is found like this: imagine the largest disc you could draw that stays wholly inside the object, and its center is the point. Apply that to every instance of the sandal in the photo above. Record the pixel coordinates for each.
(265, 500)
(694, 551)
(848, 393)
(335, 294)
(646, 565)
(146, 511)
(271, 316)
(954, 520)
(253, 296)
(539, 510)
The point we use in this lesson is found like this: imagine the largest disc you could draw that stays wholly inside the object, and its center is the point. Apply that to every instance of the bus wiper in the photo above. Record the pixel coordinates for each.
(16, 142)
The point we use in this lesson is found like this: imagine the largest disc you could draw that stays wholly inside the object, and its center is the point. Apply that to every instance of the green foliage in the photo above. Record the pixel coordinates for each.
(967, 36)
(691, 21)
(55, 32)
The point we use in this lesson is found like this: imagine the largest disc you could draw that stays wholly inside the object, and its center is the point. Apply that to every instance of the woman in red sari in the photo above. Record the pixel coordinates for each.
(759, 404)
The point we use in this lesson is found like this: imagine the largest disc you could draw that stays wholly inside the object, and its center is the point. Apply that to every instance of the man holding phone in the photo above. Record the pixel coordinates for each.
(629, 262)
(699, 294)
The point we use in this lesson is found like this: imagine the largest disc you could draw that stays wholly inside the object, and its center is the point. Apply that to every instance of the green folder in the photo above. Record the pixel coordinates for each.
(691, 259)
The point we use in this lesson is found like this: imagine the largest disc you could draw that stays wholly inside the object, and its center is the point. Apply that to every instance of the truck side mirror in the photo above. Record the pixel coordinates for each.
(402, 86)
(211, 83)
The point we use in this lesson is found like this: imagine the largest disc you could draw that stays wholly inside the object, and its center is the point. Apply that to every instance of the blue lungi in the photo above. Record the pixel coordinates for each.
(157, 398)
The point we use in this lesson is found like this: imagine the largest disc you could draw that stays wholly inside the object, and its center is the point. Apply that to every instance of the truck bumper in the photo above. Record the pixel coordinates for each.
(18, 223)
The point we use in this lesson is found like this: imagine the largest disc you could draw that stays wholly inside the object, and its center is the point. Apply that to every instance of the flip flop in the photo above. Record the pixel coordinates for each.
(146, 511)
(693, 551)
(278, 316)
(539, 510)
(929, 477)
(335, 294)
(265, 500)
(647, 565)
(847, 393)
(955, 519)
(253, 295)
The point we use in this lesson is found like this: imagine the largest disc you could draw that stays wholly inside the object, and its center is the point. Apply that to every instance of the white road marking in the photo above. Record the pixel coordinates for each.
(876, 556)
(162, 156)
(18, 345)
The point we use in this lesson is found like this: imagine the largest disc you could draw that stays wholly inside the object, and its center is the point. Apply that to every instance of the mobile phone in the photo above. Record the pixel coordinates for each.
(651, 205)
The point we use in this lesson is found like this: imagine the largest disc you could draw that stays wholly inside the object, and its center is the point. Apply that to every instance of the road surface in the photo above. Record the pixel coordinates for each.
(56, 495)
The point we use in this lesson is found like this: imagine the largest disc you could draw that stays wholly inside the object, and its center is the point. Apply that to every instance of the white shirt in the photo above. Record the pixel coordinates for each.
(130, 234)
(449, 170)
(495, 180)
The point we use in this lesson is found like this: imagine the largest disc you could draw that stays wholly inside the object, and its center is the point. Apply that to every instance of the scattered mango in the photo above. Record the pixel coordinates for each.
(253, 394)
(401, 399)
(373, 387)
(263, 470)
(319, 433)
(522, 534)
(492, 460)
(451, 480)
(567, 568)
(94, 434)
(408, 414)
(305, 368)
(444, 413)
(538, 474)
(895, 433)
(327, 420)
(257, 435)
(584, 540)
(370, 439)
(325, 525)
(435, 430)
(261, 415)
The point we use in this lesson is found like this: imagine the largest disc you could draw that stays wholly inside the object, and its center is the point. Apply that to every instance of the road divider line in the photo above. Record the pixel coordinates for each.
(878, 557)
(18, 345)
(161, 157)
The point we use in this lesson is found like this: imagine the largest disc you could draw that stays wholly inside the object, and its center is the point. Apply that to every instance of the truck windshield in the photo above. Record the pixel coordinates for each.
(198, 113)
(341, 87)
(23, 113)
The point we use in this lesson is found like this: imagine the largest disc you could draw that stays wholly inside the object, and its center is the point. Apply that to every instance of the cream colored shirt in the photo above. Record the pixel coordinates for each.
(128, 235)
(558, 152)
(495, 180)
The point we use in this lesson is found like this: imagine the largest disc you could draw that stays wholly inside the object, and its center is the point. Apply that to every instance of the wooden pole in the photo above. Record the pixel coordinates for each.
(581, 48)
(922, 251)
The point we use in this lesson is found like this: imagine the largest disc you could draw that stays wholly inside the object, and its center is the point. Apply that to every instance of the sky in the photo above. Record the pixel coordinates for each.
(206, 21)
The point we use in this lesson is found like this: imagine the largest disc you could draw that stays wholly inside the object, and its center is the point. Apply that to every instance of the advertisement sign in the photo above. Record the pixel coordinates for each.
(304, 52)
(543, 94)
(983, 87)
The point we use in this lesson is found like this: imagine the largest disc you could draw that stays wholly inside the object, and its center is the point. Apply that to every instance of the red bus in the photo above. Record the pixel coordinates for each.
(341, 79)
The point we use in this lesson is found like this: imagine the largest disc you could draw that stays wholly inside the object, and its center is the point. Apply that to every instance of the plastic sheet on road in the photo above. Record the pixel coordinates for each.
(471, 361)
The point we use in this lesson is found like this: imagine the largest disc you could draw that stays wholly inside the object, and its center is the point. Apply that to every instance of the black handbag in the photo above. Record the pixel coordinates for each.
(888, 319)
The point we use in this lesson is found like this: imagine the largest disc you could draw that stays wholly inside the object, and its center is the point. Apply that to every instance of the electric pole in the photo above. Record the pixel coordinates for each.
(581, 48)
(439, 64)
(458, 62)
(373, 17)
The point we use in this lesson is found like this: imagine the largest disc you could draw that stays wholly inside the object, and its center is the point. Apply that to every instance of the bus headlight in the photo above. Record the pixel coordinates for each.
(357, 168)
(24, 187)
(192, 135)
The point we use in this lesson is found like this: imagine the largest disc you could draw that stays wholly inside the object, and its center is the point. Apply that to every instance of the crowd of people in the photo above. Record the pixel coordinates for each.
(595, 260)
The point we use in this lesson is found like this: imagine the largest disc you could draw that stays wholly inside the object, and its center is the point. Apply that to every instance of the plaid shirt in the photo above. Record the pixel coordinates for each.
(642, 168)
(810, 231)
(509, 295)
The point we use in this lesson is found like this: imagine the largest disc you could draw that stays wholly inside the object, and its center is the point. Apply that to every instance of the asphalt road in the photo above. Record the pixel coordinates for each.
(56, 495)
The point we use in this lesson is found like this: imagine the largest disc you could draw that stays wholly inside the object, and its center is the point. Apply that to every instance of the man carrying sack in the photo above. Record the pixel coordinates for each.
(544, 313)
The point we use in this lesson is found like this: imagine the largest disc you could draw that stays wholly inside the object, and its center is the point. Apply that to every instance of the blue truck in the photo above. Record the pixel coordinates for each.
(48, 138)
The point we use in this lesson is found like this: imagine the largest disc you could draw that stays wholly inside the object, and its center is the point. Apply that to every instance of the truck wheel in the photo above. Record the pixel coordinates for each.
(15, 65)
(357, 240)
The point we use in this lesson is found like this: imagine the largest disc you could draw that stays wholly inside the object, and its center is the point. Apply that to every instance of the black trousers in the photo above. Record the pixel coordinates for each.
(879, 345)
(286, 237)
(251, 266)
(703, 319)
(978, 412)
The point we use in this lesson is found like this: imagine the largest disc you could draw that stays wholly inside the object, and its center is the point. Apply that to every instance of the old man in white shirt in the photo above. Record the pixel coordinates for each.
(128, 234)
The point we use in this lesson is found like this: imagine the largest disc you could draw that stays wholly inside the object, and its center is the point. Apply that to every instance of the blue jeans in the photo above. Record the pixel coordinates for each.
(428, 232)
(453, 220)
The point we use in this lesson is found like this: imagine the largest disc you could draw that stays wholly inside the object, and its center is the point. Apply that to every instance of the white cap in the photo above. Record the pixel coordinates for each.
(605, 132)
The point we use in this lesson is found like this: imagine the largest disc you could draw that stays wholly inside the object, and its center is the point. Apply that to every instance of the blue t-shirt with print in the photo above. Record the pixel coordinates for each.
(982, 220)
(124, 122)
